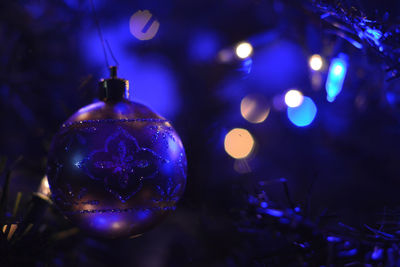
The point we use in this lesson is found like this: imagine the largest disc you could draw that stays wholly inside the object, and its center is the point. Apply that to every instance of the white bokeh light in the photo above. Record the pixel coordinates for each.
(293, 98)
(316, 62)
(254, 108)
(244, 50)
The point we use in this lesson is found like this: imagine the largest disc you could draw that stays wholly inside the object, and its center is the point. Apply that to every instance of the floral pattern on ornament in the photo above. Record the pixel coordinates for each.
(122, 165)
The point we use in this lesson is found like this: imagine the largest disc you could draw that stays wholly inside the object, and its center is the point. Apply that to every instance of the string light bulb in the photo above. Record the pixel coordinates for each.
(294, 98)
(244, 50)
(316, 63)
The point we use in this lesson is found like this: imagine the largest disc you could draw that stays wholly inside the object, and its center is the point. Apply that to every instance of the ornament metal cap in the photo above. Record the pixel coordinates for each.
(113, 88)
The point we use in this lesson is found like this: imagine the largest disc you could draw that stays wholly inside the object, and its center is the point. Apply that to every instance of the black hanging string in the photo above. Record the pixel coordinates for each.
(99, 32)
(112, 54)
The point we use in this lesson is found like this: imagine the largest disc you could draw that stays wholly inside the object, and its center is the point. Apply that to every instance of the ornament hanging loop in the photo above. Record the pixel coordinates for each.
(113, 89)
(113, 72)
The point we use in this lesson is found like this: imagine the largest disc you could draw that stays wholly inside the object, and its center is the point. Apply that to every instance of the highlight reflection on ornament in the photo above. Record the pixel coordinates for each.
(44, 188)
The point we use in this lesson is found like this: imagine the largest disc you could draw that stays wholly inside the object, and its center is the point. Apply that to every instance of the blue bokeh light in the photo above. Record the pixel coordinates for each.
(204, 46)
(393, 98)
(336, 76)
(304, 114)
(278, 66)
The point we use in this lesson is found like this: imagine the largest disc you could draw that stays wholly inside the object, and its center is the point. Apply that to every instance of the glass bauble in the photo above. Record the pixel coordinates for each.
(116, 168)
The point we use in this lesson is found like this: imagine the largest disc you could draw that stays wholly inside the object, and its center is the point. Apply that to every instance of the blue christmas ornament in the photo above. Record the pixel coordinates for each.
(115, 167)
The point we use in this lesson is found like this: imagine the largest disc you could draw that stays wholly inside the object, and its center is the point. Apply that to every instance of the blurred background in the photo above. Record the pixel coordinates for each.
(262, 92)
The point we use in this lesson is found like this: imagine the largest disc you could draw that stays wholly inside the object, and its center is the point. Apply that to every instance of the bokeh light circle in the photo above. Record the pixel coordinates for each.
(239, 143)
(293, 98)
(316, 63)
(338, 70)
(143, 26)
(244, 50)
(254, 108)
(304, 114)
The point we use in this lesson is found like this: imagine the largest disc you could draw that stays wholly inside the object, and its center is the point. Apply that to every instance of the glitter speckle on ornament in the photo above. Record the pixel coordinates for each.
(116, 168)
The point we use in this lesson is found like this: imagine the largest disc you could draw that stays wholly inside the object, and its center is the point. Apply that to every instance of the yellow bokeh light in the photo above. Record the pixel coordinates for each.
(294, 98)
(244, 50)
(239, 143)
(254, 108)
(316, 62)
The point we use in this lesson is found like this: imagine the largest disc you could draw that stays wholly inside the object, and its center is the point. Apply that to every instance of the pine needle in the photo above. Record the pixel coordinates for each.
(16, 205)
